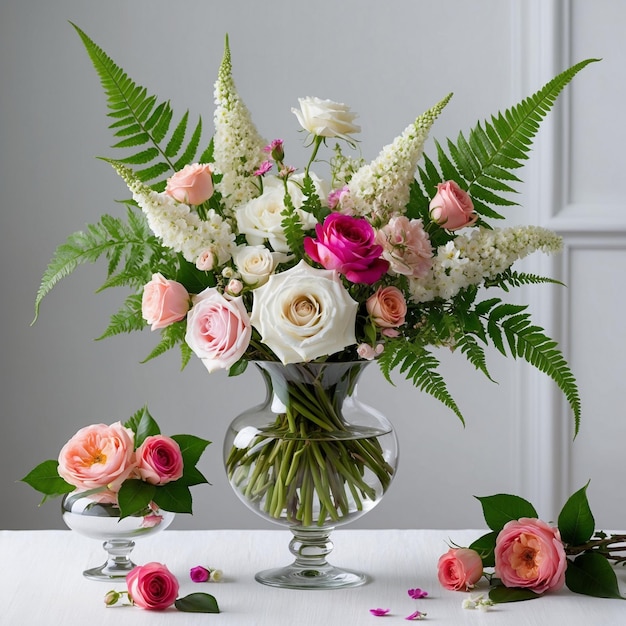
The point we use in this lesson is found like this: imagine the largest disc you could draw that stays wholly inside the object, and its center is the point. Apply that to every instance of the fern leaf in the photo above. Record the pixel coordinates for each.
(292, 227)
(127, 319)
(494, 148)
(474, 353)
(419, 366)
(170, 336)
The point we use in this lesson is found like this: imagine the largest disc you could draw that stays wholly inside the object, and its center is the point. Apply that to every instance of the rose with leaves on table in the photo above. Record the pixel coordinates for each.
(523, 557)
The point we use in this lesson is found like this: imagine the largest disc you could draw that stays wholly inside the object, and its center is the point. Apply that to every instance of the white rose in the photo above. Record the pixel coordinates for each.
(304, 313)
(326, 118)
(260, 219)
(256, 263)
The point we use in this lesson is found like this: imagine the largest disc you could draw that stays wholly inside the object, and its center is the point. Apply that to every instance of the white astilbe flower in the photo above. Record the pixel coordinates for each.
(238, 147)
(381, 189)
(178, 227)
(478, 255)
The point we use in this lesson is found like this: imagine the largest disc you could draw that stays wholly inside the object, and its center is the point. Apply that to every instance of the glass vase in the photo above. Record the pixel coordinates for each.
(101, 520)
(311, 457)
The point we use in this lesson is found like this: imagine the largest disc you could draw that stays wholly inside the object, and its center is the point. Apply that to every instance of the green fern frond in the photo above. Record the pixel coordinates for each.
(170, 336)
(473, 352)
(483, 162)
(511, 278)
(418, 365)
(292, 227)
(127, 319)
(139, 121)
(527, 341)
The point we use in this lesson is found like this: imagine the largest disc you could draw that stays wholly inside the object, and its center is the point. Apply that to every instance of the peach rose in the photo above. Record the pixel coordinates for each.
(452, 207)
(159, 460)
(152, 586)
(529, 553)
(98, 456)
(459, 569)
(387, 307)
(218, 329)
(163, 302)
(191, 185)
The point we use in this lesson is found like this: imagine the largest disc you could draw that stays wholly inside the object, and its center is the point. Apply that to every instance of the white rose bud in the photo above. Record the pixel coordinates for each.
(256, 263)
(326, 118)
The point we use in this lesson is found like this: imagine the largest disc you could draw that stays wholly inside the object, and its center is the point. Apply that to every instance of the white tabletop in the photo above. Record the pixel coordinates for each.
(41, 582)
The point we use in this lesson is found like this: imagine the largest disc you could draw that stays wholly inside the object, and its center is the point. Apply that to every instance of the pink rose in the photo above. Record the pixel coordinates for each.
(152, 586)
(387, 307)
(199, 574)
(191, 185)
(406, 246)
(218, 329)
(163, 302)
(452, 207)
(369, 353)
(529, 553)
(459, 569)
(159, 460)
(98, 456)
(347, 244)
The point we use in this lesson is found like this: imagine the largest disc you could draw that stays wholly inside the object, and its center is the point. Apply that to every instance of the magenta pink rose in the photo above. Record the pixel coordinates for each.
(199, 574)
(529, 553)
(347, 244)
(98, 456)
(163, 302)
(191, 185)
(406, 246)
(152, 586)
(159, 460)
(218, 329)
(459, 569)
(452, 207)
(387, 307)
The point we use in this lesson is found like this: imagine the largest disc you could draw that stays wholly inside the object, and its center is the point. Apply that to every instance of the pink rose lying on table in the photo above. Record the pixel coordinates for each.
(452, 207)
(191, 185)
(152, 586)
(459, 569)
(159, 460)
(529, 553)
(347, 244)
(163, 302)
(98, 456)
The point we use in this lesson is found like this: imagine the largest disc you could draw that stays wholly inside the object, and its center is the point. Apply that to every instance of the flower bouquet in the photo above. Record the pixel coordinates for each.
(234, 254)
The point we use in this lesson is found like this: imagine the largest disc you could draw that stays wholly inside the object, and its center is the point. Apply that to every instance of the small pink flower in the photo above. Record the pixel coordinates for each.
(452, 207)
(406, 246)
(335, 195)
(387, 307)
(415, 616)
(159, 460)
(347, 244)
(152, 586)
(191, 185)
(163, 302)
(365, 351)
(275, 149)
(459, 569)
(379, 612)
(150, 521)
(417, 594)
(234, 287)
(264, 168)
(206, 260)
(199, 574)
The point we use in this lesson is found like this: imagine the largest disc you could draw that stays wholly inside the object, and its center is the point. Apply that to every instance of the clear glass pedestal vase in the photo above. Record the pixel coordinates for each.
(101, 520)
(311, 457)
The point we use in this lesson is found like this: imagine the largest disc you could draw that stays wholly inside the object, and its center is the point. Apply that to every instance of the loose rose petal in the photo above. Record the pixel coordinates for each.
(415, 616)
(379, 612)
(417, 593)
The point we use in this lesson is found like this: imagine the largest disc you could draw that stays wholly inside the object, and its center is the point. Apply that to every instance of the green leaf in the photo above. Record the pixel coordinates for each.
(197, 603)
(174, 497)
(143, 425)
(45, 479)
(502, 508)
(238, 368)
(134, 496)
(191, 448)
(485, 546)
(501, 594)
(591, 574)
(576, 522)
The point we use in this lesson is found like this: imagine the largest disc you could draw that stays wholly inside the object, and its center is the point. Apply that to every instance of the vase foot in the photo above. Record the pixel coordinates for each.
(297, 577)
(108, 572)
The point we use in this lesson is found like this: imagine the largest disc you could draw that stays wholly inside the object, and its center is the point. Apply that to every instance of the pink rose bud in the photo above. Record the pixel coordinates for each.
(529, 553)
(459, 569)
(191, 185)
(452, 207)
(159, 460)
(387, 307)
(152, 586)
(234, 287)
(111, 598)
(163, 302)
(199, 574)
(367, 352)
(206, 260)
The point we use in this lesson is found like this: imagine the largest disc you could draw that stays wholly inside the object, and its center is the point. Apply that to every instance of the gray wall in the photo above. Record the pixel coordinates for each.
(389, 61)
